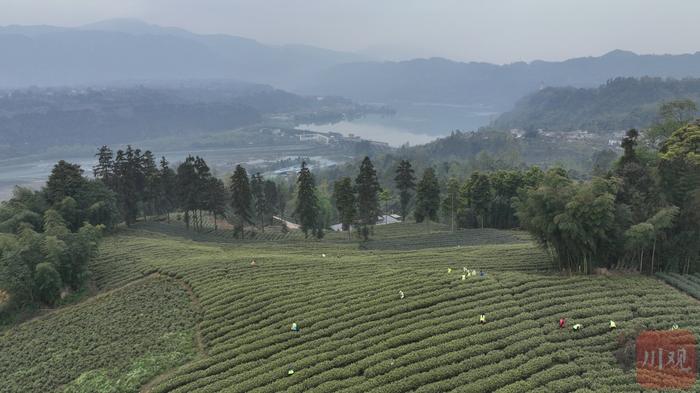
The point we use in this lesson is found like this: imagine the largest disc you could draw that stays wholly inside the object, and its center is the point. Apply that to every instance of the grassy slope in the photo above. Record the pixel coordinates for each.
(111, 343)
(357, 336)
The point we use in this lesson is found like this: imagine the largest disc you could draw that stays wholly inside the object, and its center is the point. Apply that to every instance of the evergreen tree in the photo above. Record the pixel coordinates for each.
(150, 174)
(451, 205)
(405, 183)
(241, 197)
(272, 197)
(202, 184)
(216, 201)
(385, 196)
(307, 202)
(104, 170)
(186, 185)
(479, 195)
(367, 186)
(427, 198)
(257, 187)
(637, 187)
(167, 195)
(345, 202)
(129, 179)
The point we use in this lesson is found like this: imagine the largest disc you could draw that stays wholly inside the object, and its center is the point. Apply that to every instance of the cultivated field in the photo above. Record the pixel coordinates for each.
(115, 342)
(356, 334)
(689, 283)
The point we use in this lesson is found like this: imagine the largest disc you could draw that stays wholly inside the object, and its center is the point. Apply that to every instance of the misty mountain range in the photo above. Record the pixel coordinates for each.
(127, 50)
(130, 50)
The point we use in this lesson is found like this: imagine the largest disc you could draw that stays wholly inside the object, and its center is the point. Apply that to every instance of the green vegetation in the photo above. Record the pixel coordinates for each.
(441, 237)
(196, 114)
(367, 188)
(357, 335)
(689, 283)
(307, 203)
(115, 342)
(397, 312)
(620, 104)
(643, 213)
(49, 236)
(405, 184)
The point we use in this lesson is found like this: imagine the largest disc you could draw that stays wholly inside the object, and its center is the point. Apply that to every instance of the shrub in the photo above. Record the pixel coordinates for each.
(48, 283)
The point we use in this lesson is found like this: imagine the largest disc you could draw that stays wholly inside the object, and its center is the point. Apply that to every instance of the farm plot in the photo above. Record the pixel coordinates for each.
(115, 342)
(271, 234)
(357, 335)
(688, 283)
(464, 237)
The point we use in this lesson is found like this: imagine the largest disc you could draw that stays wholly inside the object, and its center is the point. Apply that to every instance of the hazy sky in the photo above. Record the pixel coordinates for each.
(498, 31)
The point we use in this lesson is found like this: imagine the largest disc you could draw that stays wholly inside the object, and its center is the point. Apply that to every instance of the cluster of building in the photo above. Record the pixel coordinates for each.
(614, 138)
(334, 137)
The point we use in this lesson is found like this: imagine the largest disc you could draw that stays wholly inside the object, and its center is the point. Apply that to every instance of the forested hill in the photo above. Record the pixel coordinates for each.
(34, 119)
(619, 104)
(497, 87)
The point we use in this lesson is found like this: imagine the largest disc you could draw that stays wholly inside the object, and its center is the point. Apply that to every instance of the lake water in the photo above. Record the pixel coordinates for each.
(367, 129)
(414, 123)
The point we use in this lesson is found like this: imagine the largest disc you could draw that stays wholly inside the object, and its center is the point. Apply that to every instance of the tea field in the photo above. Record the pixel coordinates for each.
(689, 283)
(356, 333)
(115, 342)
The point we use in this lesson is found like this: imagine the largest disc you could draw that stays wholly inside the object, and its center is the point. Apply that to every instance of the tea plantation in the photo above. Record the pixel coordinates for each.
(356, 333)
(114, 342)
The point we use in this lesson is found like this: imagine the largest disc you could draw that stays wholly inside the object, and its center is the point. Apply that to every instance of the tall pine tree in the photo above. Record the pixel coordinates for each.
(257, 187)
(307, 203)
(479, 196)
(345, 201)
(104, 169)
(368, 188)
(241, 197)
(166, 188)
(150, 181)
(186, 185)
(202, 182)
(272, 197)
(427, 198)
(406, 183)
(216, 199)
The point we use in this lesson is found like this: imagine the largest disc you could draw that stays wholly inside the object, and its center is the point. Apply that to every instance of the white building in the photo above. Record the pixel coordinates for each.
(381, 220)
(319, 138)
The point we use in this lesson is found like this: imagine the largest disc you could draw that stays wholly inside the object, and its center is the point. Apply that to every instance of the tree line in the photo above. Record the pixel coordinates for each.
(642, 214)
(47, 237)
(144, 188)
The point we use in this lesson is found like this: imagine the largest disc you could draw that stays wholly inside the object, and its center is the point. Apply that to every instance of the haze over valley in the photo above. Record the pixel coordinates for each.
(349, 196)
